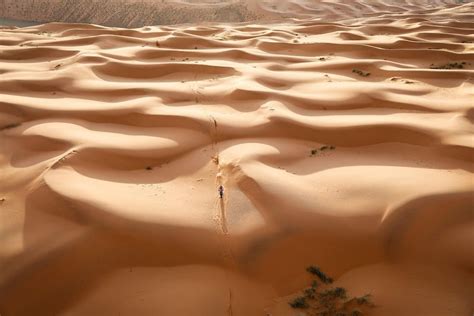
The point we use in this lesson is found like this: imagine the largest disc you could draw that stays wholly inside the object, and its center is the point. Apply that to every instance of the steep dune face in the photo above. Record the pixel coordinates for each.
(347, 146)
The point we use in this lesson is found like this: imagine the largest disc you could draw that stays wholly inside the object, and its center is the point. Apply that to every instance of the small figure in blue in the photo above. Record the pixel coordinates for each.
(221, 191)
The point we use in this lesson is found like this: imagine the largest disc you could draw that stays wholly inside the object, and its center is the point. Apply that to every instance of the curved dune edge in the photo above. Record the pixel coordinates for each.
(114, 143)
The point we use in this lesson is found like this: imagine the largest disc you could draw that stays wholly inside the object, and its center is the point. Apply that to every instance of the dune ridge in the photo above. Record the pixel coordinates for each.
(347, 145)
(139, 13)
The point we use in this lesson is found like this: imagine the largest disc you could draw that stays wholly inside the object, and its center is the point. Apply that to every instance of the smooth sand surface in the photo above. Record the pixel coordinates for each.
(114, 142)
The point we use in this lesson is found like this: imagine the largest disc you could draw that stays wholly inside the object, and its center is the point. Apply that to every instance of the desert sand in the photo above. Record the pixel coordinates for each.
(138, 13)
(344, 144)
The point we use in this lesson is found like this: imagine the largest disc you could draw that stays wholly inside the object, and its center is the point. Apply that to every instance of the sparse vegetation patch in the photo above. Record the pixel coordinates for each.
(321, 300)
(361, 73)
(402, 80)
(321, 149)
(455, 65)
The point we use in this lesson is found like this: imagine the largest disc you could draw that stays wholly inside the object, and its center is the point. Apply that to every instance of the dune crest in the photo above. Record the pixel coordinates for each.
(139, 13)
(345, 145)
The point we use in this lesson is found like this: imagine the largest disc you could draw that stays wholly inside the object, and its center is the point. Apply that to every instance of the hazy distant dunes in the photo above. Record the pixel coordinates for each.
(137, 13)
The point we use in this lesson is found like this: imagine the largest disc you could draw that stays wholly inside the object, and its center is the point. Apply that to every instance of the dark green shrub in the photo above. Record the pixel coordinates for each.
(357, 312)
(364, 300)
(361, 73)
(310, 293)
(329, 301)
(455, 65)
(317, 272)
(299, 302)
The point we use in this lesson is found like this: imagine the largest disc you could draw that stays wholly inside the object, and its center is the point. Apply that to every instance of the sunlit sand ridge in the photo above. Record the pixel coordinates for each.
(344, 145)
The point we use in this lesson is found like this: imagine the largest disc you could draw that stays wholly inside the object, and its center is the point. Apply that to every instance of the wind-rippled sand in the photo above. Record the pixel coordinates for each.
(347, 146)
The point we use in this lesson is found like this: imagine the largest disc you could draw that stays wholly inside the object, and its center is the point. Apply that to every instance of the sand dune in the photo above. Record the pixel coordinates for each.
(139, 13)
(342, 144)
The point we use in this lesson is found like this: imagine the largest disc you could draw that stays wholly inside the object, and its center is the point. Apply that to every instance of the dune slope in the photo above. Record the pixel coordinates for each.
(344, 145)
(139, 13)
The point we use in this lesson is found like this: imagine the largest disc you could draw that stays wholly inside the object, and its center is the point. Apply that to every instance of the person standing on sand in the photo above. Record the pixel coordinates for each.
(221, 191)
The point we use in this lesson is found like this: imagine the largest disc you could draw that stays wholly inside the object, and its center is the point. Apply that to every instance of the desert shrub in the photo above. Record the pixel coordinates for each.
(454, 65)
(317, 272)
(329, 301)
(357, 312)
(299, 302)
(361, 73)
(314, 151)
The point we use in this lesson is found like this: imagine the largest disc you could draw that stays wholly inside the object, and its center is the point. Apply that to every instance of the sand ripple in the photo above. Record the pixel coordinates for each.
(343, 145)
